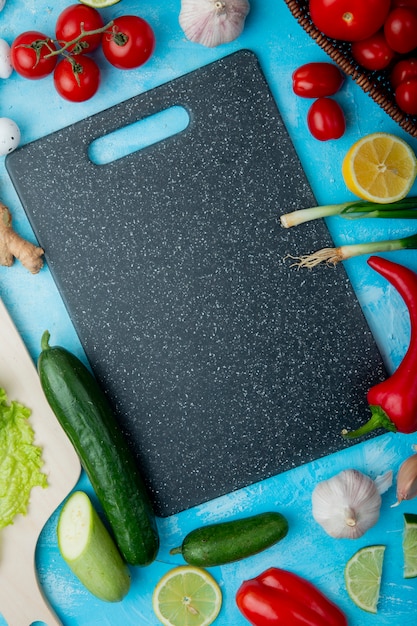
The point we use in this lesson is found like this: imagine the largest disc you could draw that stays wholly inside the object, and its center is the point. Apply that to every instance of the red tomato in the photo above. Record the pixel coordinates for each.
(28, 54)
(77, 80)
(315, 80)
(406, 96)
(130, 43)
(74, 20)
(405, 69)
(350, 20)
(373, 53)
(400, 30)
(411, 4)
(326, 119)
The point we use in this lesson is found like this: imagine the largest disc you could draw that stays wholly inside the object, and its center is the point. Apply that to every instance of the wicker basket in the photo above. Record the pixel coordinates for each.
(376, 83)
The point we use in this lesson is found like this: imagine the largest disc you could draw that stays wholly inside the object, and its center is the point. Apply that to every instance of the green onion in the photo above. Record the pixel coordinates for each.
(332, 256)
(404, 209)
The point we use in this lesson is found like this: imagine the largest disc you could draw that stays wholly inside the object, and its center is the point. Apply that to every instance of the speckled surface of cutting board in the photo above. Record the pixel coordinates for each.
(224, 364)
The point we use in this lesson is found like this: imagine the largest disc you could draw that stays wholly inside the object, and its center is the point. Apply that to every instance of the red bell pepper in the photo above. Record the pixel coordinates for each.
(278, 597)
(393, 402)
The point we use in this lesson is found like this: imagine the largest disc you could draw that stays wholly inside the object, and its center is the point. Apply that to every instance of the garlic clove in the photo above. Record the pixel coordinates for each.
(213, 22)
(346, 505)
(407, 480)
(384, 482)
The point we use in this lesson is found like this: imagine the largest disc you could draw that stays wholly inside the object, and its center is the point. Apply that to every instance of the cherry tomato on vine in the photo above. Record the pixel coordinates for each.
(77, 79)
(405, 69)
(315, 80)
(374, 52)
(130, 43)
(29, 52)
(349, 20)
(406, 96)
(74, 20)
(400, 30)
(326, 119)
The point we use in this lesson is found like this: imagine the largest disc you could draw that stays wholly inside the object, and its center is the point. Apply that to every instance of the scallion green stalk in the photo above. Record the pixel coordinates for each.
(332, 256)
(404, 209)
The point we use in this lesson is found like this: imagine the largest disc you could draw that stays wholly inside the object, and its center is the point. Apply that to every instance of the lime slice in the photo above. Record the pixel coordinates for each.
(363, 577)
(99, 4)
(187, 596)
(410, 545)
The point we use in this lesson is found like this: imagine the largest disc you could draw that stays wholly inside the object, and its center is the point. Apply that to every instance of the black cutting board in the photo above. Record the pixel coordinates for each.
(224, 364)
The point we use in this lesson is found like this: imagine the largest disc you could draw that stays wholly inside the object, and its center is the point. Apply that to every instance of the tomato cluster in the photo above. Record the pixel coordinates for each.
(325, 118)
(127, 42)
(383, 36)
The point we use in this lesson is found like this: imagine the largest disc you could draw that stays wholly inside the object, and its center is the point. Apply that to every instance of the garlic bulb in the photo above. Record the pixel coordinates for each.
(407, 480)
(348, 504)
(213, 22)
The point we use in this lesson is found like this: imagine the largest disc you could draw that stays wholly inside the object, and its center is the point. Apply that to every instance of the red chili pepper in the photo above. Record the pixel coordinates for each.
(278, 597)
(393, 402)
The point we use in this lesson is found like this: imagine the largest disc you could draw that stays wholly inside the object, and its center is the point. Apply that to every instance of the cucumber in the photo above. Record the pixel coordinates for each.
(217, 544)
(89, 551)
(83, 411)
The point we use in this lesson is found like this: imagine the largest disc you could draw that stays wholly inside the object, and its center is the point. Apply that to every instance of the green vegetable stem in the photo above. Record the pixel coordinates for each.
(332, 256)
(404, 209)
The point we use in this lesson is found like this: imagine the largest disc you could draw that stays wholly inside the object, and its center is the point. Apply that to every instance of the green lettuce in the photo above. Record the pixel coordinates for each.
(20, 460)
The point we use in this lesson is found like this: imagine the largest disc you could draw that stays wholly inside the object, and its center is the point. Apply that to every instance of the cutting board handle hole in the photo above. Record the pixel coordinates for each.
(139, 135)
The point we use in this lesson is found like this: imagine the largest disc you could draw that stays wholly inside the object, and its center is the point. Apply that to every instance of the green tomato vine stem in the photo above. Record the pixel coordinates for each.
(83, 33)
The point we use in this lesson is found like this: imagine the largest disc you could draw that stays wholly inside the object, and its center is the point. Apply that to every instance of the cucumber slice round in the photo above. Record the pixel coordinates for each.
(89, 550)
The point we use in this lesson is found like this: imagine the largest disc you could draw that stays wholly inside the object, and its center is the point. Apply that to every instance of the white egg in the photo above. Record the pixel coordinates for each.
(9, 135)
(6, 67)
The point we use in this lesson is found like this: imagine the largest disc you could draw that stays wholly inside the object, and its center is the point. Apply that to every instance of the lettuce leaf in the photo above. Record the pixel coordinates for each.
(20, 460)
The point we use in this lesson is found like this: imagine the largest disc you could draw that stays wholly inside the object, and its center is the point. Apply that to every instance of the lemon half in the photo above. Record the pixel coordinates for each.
(380, 167)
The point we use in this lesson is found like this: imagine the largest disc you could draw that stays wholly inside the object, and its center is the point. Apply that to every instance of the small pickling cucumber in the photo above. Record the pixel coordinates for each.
(225, 542)
(84, 413)
(90, 552)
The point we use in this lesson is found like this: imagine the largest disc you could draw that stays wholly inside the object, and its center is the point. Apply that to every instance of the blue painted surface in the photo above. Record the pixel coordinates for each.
(34, 304)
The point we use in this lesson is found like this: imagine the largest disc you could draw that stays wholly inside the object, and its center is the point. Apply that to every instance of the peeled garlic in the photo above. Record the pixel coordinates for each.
(213, 22)
(407, 480)
(348, 504)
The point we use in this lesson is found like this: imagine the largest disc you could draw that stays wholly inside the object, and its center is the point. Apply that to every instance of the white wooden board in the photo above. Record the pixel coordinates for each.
(21, 598)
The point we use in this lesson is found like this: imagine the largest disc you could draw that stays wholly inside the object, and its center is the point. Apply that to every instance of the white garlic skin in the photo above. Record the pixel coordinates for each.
(213, 22)
(347, 504)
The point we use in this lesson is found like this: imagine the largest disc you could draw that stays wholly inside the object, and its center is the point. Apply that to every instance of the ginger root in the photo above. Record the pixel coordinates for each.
(14, 246)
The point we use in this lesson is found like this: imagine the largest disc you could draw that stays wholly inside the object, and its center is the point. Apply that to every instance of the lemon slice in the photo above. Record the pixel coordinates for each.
(99, 4)
(380, 167)
(410, 545)
(187, 596)
(363, 577)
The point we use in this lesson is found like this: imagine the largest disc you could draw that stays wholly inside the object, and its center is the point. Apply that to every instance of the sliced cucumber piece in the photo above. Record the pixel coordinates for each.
(90, 552)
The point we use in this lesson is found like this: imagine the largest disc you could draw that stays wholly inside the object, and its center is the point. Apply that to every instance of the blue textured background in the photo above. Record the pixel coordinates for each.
(34, 304)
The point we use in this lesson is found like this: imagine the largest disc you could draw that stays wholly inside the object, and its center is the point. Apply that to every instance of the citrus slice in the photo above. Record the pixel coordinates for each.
(187, 596)
(99, 4)
(410, 545)
(380, 167)
(363, 577)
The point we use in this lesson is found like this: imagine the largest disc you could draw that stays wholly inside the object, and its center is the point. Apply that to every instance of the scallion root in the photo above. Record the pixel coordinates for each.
(327, 256)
